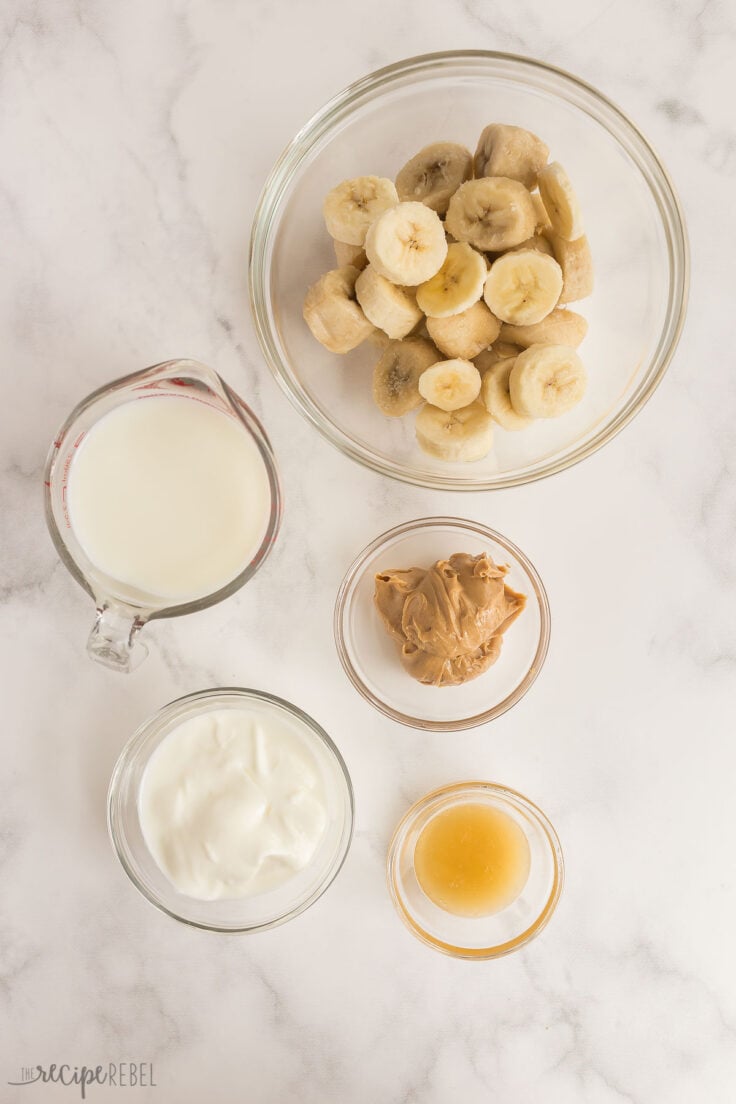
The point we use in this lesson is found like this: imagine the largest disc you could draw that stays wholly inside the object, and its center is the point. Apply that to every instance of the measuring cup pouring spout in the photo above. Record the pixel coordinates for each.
(241, 466)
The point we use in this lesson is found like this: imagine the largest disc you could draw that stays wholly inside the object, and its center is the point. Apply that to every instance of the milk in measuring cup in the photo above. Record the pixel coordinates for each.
(170, 496)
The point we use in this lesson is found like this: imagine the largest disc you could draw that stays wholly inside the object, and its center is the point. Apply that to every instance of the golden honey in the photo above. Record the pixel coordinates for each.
(472, 859)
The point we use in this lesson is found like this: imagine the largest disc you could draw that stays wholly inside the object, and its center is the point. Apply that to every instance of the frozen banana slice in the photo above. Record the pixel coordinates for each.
(510, 151)
(546, 381)
(498, 352)
(560, 202)
(349, 254)
(391, 308)
(457, 285)
(351, 207)
(576, 262)
(332, 313)
(450, 384)
(540, 211)
(466, 334)
(406, 244)
(523, 287)
(396, 376)
(493, 213)
(560, 327)
(458, 435)
(434, 174)
(538, 242)
(495, 396)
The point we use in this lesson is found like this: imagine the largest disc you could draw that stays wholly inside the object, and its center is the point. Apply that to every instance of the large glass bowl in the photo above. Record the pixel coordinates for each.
(632, 217)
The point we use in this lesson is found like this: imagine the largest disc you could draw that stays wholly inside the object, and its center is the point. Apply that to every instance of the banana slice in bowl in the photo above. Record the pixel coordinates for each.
(458, 436)
(434, 174)
(560, 202)
(396, 375)
(389, 307)
(332, 312)
(407, 244)
(576, 262)
(560, 327)
(457, 285)
(547, 381)
(496, 397)
(450, 384)
(351, 207)
(510, 151)
(466, 334)
(523, 287)
(493, 213)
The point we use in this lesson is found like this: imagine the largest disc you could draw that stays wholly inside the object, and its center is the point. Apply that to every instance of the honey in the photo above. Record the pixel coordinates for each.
(472, 859)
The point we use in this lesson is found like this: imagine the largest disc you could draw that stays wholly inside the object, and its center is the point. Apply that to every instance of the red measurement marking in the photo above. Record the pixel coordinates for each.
(46, 483)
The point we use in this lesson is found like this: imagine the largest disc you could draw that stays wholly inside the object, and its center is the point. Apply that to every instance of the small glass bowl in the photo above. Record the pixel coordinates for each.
(370, 656)
(264, 910)
(633, 221)
(485, 936)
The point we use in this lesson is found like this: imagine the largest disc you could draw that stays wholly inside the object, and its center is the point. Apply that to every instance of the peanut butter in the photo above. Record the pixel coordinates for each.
(449, 619)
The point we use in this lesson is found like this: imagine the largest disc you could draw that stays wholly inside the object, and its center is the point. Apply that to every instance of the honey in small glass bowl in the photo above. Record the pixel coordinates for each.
(475, 870)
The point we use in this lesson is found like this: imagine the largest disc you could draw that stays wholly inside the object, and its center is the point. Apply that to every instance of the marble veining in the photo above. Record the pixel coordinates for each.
(135, 139)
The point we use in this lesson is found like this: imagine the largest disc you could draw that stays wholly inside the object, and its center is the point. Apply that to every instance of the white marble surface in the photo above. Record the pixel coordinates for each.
(135, 138)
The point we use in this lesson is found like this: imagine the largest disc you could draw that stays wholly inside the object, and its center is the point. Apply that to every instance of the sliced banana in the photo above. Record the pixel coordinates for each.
(457, 435)
(351, 207)
(560, 327)
(397, 374)
(504, 349)
(332, 313)
(434, 174)
(349, 254)
(466, 334)
(510, 151)
(494, 394)
(560, 202)
(540, 211)
(522, 288)
(539, 242)
(406, 244)
(500, 351)
(391, 308)
(546, 381)
(450, 384)
(493, 213)
(457, 285)
(379, 340)
(576, 262)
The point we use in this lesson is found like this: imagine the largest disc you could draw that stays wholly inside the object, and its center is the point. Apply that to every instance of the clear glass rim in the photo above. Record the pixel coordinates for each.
(507, 795)
(158, 718)
(585, 97)
(545, 626)
(263, 444)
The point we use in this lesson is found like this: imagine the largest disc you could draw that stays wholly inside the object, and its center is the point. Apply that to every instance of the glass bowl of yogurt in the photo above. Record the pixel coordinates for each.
(231, 810)
(162, 497)
(372, 656)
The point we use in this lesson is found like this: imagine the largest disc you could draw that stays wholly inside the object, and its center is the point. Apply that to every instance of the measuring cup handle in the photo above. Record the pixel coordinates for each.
(113, 640)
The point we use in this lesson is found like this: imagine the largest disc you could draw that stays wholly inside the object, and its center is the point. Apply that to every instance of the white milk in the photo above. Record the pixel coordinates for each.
(232, 804)
(170, 496)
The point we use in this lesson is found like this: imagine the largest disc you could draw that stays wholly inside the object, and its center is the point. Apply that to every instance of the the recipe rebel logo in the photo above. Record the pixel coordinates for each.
(120, 1075)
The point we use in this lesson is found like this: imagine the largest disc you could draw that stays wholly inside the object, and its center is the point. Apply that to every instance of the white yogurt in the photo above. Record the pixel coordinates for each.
(170, 496)
(232, 804)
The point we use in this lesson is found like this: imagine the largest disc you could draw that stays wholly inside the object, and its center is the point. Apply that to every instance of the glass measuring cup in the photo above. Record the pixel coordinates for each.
(122, 609)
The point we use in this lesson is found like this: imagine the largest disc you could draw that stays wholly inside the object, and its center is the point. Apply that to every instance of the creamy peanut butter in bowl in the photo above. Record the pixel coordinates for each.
(442, 624)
